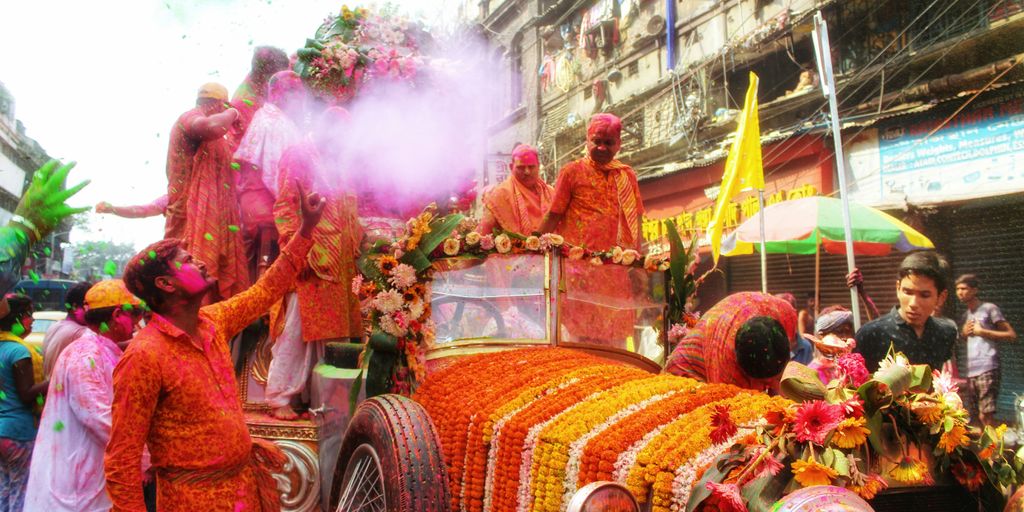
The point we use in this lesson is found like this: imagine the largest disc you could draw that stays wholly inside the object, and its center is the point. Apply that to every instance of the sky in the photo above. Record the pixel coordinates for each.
(102, 83)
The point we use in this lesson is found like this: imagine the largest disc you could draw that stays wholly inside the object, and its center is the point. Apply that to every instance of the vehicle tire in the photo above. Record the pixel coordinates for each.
(390, 460)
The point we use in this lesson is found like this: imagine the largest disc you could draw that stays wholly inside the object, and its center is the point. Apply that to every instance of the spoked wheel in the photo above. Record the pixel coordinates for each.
(390, 460)
(363, 483)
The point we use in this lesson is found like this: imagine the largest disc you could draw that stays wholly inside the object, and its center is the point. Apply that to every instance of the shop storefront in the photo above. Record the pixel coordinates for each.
(965, 174)
(794, 168)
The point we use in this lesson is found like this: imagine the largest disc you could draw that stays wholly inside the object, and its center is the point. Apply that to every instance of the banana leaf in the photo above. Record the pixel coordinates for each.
(440, 229)
(878, 392)
(679, 260)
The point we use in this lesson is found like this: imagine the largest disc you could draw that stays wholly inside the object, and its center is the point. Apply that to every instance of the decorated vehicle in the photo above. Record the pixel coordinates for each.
(515, 383)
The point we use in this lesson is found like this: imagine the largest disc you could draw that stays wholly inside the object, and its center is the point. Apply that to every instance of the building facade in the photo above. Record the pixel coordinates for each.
(930, 99)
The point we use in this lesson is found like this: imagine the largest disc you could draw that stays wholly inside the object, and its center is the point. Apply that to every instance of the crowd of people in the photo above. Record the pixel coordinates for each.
(262, 223)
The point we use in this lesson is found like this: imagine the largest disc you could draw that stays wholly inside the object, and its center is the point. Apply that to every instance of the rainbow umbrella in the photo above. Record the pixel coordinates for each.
(804, 225)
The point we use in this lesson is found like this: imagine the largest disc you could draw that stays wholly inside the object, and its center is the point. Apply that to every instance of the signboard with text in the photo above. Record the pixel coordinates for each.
(977, 153)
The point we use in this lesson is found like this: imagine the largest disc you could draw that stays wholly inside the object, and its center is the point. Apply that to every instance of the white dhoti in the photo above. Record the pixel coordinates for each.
(293, 359)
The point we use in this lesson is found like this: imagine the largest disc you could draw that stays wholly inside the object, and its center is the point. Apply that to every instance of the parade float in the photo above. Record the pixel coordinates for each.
(496, 376)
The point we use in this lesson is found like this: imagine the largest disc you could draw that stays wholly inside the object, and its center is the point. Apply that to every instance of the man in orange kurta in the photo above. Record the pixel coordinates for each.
(323, 307)
(597, 206)
(519, 203)
(175, 390)
(597, 201)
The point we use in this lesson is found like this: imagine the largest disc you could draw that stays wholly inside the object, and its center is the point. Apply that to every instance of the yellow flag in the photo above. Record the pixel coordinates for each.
(742, 167)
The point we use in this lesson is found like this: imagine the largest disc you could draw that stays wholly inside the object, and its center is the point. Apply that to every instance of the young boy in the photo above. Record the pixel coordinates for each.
(984, 326)
(909, 328)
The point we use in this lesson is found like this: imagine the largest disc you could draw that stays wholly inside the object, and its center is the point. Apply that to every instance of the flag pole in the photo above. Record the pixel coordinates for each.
(823, 54)
(764, 253)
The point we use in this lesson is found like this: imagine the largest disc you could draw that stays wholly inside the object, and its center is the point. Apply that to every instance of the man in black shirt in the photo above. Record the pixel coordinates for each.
(909, 328)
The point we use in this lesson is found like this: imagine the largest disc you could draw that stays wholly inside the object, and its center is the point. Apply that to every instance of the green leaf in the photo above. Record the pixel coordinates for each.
(353, 395)
(840, 463)
(760, 494)
(417, 259)
(947, 424)
(439, 230)
(874, 424)
(920, 378)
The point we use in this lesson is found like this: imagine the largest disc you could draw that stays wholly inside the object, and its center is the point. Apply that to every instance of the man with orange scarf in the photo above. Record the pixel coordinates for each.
(597, 205)
(518, 204)
(322, 307)
(597, 199)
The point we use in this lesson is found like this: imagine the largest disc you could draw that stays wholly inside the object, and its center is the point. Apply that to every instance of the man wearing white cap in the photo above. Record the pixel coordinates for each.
(66, 472)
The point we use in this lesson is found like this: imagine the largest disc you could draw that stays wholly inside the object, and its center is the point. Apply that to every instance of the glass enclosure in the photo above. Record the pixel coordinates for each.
(500, 298)
(612, 306)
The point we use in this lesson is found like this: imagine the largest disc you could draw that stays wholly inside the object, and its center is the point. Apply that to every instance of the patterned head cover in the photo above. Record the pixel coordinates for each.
(829, 322)
(525, 155)
(213, 90)
(606, 121)
(109, 293)
(283, 84)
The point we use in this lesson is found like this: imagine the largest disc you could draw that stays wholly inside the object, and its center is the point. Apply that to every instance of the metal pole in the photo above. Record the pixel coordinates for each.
(764, 252)
(823, 53)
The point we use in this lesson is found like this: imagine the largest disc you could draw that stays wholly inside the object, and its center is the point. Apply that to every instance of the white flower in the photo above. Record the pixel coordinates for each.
(403, 276)
(388, 301)
(576, 253)
(389, 326)
(596, 261)
(415, 308)
(629, 256)
(503, 243)
(893, 360)
(532, 243)
(472, 238)
(451, 246)
(552, 239)
(616, 254)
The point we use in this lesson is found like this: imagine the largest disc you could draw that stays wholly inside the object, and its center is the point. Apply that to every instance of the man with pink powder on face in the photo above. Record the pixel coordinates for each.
(519, 203)
(66, 472)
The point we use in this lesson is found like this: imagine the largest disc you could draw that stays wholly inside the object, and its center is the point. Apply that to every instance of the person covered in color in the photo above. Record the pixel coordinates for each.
(597, 201)
(984, 329)
(212, 220)
(322, 307)
(175, 390)
(208, 120)
(67, 463)
(742, 340)
(155, 207)
(250, 95)
(72, 327)
(921, 288)
(519, 203)
(19, 395)
(273, 129)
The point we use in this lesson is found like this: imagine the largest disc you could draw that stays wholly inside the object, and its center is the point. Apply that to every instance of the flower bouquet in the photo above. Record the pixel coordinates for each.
(902, 426)
(356, 46)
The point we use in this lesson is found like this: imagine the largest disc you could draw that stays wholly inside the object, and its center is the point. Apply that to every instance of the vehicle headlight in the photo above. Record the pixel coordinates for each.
(603, 497)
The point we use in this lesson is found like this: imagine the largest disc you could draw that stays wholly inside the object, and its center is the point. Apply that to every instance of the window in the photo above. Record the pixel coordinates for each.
(633, 68)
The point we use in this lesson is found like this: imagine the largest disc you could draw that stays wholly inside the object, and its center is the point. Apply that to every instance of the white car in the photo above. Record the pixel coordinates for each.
(41, 322)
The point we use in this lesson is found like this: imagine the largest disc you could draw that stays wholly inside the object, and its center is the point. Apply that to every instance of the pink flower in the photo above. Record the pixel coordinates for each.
(487, 242)
(769, 465)
(853, 366)
(357, 284)
(676, 333)
(814, 420)
(722, 423)
(728, 496)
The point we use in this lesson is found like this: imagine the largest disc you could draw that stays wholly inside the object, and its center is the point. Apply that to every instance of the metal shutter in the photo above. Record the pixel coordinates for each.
(795, 274)
(987, 241)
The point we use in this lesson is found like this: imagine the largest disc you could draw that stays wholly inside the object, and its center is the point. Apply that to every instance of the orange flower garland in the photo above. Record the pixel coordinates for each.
(552, 452)
(599, 456)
